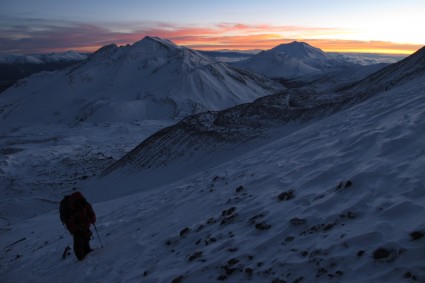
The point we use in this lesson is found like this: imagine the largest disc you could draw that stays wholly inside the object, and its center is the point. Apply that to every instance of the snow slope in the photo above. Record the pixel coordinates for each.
(295, 218)
(292, 60)
(151, 79)
(335, 199)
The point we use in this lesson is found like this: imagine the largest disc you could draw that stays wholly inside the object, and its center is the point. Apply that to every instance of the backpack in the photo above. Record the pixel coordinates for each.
(75, 208)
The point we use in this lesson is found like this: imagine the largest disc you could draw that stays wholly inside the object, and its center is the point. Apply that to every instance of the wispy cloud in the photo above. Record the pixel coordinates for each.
(39, 36)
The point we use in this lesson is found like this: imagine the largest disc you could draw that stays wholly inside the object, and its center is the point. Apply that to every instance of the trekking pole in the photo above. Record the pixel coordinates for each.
(98, 236)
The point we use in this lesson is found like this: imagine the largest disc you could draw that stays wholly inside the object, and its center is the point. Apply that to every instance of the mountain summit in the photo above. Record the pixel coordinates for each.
(151, 79)
(300, 50)
(290, 61)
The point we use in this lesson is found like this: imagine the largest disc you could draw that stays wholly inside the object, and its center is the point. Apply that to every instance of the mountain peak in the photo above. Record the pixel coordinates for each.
(153, 43)
(300, 50)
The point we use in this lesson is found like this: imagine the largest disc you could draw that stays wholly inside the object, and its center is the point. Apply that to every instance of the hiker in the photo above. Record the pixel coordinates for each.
(77, 214)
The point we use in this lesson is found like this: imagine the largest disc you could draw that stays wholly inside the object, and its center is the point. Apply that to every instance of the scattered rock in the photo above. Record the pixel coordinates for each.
(381, 253)
(286, 195)
(228, 220)
(262, 226)
(194, 256)
(228, 215)
(229, 211)
(199, 228)
(344, 185)
(409, 275)
(348, 214)
(232, 250)
(387, 255)
(322, 270)
(222, 277)
(229, 270)
(319, 227)
(328, 227)
(184, 231)
(230, 267)
(416, 235)
(360, 253)
(253, 219)
(178, 279)
(211, 220)
(267, 272)
(240, 189)
(289, 239)
(248, 271)
(277, 280)
(298, 221)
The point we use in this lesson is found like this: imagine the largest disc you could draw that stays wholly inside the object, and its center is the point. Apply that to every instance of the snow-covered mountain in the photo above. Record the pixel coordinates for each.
(65, 57)
(292, 60)
(151, 79)
(336, 198)
(16, 67)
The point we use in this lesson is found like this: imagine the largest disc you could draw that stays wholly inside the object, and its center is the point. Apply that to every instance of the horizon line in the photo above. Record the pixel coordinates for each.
(331, 46)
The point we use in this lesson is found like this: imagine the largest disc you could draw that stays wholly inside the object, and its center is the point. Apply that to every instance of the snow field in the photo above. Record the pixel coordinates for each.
(340, 200)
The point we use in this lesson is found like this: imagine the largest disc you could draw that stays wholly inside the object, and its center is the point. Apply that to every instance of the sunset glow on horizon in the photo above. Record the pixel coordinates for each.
(387, 27)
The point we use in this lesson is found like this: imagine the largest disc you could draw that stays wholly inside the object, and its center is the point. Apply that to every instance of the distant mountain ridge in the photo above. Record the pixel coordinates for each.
(16, 67)
(68, 56)
(151, 79)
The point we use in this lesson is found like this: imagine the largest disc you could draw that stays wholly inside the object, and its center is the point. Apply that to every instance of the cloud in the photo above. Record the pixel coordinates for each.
(41, 36)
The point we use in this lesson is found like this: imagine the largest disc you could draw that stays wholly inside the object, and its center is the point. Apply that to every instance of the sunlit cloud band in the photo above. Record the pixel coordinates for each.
(38, 36)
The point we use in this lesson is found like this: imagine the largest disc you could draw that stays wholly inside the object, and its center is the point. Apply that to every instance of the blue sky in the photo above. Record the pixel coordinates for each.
(45, 25)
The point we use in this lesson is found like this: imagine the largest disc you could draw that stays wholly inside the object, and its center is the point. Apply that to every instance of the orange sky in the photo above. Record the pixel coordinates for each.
(270, 41)
(379, 26)
(235, 36)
